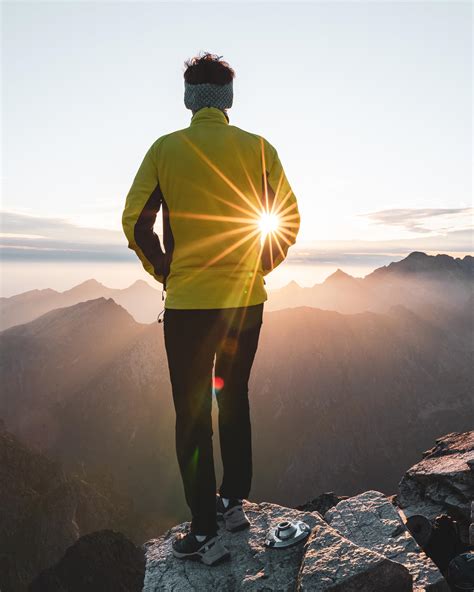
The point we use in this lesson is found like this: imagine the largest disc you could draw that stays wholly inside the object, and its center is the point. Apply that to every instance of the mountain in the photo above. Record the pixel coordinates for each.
(140, 299)
(435, 266)
(44, 510)
(47, 360)
(355, 399)
(440, 282)
(364, 542)
(428, 285)
(339, 402)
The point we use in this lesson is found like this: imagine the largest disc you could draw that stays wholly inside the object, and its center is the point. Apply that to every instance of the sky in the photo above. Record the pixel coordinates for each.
(369, 105)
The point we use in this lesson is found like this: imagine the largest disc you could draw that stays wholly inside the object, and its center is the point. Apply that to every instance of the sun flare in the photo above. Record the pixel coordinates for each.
(258, 215)
(268, 223)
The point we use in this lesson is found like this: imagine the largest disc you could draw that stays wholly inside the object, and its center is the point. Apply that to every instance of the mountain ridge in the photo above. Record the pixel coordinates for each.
(400, 281)
(109, 380)
(369, 541)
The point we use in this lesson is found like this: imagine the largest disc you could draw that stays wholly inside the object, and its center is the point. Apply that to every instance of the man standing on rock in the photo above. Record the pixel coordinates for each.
(229, 217)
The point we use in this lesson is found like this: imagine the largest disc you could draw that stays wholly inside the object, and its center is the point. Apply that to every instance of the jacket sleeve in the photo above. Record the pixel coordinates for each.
(142, 204)
(279, 199)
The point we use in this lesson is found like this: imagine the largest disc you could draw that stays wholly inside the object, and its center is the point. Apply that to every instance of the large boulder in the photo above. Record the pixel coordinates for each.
(338, 565)
(442, 482)
(103, 561)
(371, 521)
(332, 563)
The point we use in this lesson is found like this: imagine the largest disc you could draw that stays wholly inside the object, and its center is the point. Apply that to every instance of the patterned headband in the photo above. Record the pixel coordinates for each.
(197, 96)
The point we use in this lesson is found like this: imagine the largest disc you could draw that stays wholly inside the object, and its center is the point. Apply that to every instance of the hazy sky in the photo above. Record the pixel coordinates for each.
(367, 103)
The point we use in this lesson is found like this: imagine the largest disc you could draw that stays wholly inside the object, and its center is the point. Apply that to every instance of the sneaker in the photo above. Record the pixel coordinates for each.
(209, 551)
(233, 515)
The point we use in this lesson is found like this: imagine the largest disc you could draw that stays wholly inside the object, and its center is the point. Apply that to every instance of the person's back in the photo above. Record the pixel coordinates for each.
(221, 190)
(216, 181)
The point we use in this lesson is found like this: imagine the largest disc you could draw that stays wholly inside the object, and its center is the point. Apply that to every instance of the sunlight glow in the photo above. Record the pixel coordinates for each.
(261, 216)
(268, 223)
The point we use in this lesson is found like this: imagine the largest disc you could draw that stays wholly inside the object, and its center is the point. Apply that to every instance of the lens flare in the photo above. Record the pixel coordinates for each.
(218, 383)
(268, 223)
(261, 214)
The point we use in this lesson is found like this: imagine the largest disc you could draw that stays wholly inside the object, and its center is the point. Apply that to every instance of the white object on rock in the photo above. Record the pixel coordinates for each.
(253, 567)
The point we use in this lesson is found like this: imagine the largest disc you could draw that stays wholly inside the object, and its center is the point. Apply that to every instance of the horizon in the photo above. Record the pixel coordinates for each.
(272, 287)
(370, 188)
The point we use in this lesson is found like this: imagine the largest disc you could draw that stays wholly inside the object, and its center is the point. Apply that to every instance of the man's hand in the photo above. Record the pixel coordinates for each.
(278, 199)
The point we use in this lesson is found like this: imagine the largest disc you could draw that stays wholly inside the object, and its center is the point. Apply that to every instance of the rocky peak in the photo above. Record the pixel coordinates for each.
(138, 284)
(442, 482)
(107, 552)
(338, 276)
(291, 286)
(360, 544)
(97, 311)
(417, 262)
(86, 285)
(326, 561)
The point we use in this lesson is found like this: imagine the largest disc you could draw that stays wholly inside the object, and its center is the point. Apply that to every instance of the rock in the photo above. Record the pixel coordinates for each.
(420, 528)
(333, 563)
(104, 561)
(444, 543)
(322, 503)
(254, 567)
(461, 572)
(443, 482)
(471, 526)
(44, 510)
(370, 520)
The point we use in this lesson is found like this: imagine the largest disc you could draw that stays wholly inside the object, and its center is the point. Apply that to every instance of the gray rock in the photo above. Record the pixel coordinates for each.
(103, 561)
(443, 482)
(332, 563)
(256, 568)
(253, 567)
(471, 527)
(322, 503)
(371, 521)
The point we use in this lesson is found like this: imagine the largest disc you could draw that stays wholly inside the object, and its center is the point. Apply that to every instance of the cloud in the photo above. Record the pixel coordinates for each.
(36, 238)
(416, 219)
(57, 229)
(367, 252)
(42, 239)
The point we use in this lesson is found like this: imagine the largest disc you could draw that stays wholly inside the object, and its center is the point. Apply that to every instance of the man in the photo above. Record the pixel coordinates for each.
(229, 217)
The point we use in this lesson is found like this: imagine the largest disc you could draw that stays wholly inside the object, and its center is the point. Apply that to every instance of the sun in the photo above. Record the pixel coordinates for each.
(268, 223)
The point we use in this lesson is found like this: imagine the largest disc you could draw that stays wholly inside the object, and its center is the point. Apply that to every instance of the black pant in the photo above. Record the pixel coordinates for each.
(192, 339)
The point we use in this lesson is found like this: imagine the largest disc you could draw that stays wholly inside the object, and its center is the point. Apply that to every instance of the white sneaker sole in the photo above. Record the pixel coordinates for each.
(211, 553)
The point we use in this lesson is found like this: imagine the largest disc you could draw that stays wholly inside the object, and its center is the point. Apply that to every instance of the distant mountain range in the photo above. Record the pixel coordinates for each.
(340, 402)
(439, 282)
(140, 299)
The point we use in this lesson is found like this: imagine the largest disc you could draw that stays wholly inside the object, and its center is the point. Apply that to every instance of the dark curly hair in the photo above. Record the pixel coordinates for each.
(208, 67)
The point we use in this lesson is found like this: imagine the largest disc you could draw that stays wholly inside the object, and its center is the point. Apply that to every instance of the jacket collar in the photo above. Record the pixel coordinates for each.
(209, 115)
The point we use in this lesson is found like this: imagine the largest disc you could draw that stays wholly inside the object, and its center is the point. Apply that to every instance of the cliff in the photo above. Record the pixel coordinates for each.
(363, 543)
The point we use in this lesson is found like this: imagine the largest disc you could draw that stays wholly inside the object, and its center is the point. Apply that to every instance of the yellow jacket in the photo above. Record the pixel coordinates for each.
(213, 181)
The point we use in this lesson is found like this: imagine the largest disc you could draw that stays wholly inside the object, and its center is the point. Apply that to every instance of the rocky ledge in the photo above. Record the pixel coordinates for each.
(442, 482)
(366, 543)
(362, 545)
